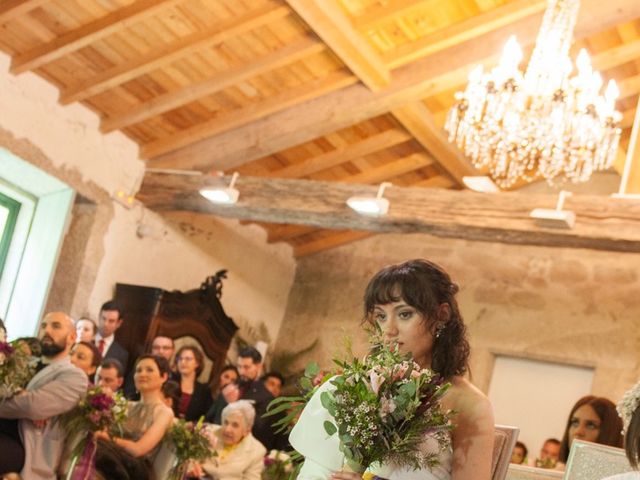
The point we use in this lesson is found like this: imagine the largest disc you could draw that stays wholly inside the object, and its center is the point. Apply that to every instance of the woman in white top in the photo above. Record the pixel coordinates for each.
(414, 304)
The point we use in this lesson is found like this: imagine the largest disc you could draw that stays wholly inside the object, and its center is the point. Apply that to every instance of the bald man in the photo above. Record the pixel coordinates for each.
(54, 390)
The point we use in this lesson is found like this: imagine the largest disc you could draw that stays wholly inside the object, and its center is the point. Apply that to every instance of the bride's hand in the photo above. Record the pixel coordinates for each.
(346, 476)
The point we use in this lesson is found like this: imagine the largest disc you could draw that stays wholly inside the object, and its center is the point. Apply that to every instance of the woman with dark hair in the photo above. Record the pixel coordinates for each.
(593, 419)
(195, 397)
(147, 421)
(86, 357)
(414, 305)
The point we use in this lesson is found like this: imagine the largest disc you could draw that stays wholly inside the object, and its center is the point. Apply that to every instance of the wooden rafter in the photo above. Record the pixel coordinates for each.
(330, 23)
(11, 9)
(417, 119)
(385, 12)
(340, 155)
(330, 241)
(463, 31)
(119, 74)
(174, 99)
(236, 118)
(355, 103)
(87, 34)
(602, 223)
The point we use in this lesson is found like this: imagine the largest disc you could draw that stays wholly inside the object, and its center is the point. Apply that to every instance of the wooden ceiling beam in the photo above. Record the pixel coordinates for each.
(283, 232)
(463, 31)
(157, 58)
(353, 104)
(329, 22)
(11, 9)
(87, 34)
(419, 121)
(192, 92)
(343, 154)
(388, 171)
(169, 149)
(602, 223)
(330, 241)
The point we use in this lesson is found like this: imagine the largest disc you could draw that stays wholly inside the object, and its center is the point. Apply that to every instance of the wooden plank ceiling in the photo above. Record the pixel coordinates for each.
(351, 91)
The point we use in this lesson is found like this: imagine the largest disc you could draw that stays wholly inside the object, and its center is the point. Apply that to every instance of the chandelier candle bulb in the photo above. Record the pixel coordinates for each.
(541, 123)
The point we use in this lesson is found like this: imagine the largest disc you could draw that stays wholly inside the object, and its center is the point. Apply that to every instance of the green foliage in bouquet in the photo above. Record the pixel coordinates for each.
(289, 408)
(278, 466)
(189, 441)
(383, 406)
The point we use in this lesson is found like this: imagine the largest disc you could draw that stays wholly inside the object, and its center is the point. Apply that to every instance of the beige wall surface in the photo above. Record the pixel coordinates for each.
(177, 252)
(570, 306)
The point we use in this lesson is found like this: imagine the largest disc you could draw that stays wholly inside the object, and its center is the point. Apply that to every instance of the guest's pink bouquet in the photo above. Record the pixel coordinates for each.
(99, 410)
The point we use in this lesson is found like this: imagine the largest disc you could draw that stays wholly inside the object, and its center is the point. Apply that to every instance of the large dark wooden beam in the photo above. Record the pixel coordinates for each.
(602, 223)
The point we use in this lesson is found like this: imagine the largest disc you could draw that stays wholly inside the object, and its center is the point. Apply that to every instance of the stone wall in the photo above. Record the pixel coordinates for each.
(563, 305)
(103, 244)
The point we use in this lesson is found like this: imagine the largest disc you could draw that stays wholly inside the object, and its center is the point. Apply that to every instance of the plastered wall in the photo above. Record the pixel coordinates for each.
(66, 142)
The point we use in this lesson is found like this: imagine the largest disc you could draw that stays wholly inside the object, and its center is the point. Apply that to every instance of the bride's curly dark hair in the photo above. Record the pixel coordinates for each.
(425, 286)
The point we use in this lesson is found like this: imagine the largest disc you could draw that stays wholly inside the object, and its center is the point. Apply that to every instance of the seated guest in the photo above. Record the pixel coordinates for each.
(86, 357)
(273, 381)
(171, 394)
(239, 455)
(549, 454)
(110, 374)
(230, 393)
(86, 330)
(54, 390)
(195, 397)
(229, 374)
(147, 421)
(593, 419)
(519, 454)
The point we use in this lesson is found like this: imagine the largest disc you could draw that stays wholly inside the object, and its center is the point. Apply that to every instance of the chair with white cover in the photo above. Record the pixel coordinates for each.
(591, 461)
(505, 438)
(524, 472)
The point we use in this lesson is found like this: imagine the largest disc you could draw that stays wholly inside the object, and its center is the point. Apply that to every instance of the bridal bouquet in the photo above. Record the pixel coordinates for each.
(17, 366)
(189, 442)
(382, 407)
(97, 411)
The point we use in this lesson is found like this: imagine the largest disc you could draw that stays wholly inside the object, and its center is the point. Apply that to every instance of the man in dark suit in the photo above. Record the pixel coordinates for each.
(110, 320)
(252, 388)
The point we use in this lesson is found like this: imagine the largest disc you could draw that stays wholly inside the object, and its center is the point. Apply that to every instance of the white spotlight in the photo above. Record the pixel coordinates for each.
(225, 196)
(557, 218)
(371, 206)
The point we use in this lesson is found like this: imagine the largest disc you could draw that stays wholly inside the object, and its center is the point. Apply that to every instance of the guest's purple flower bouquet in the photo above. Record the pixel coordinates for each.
(99, 410)
(17, 367)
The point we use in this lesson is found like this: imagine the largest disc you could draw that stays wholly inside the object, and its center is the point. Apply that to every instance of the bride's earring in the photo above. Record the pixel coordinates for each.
(439, 330)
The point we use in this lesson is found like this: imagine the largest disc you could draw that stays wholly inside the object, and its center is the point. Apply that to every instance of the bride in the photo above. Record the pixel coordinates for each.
(414, 304)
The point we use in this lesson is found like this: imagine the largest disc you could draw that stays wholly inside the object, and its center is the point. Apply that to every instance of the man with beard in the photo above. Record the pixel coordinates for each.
(249, 366)
(54, 390)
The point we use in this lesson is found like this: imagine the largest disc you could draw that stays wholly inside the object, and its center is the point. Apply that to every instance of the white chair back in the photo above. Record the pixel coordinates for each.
(505, 438)
(523, 472)
(591, 461)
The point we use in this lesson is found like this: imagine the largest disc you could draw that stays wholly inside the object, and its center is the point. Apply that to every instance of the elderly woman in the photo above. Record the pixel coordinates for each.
(240, 455)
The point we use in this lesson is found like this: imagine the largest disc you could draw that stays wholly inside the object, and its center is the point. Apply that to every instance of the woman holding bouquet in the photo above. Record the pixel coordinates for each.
(148, 420)
(414, 306)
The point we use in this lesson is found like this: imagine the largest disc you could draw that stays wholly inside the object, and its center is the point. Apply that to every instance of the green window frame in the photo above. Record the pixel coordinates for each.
(13, 206)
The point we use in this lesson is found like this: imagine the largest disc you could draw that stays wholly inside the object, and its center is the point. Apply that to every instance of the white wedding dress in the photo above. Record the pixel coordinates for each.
(322, 452)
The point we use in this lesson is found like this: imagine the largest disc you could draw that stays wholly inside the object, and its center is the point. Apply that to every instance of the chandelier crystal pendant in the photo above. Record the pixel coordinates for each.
(543, 123)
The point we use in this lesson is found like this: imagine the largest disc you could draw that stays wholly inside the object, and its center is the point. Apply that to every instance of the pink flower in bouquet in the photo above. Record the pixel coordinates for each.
(102, 402)
(376, 381)
(387, 406)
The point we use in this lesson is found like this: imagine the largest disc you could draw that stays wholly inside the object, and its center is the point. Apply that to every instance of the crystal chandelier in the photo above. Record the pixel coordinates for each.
(542, 124)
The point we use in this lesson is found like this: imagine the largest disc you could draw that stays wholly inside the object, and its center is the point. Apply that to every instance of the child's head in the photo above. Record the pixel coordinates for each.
(171, 394)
